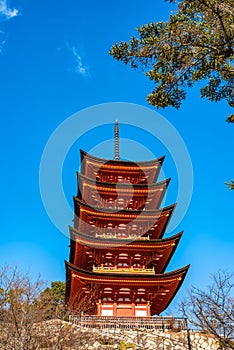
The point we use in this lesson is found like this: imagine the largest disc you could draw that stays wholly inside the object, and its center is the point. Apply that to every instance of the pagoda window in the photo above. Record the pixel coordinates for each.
(141, 291)
(110, 228)
(120, 203)
(107, 299)
(123, 299)
(130, 204)
(136, 265)
(110, 203)
(122, 235)
(120, 178)
(140, 300)
(121, 228)
(122, 264)
(120, 299)
(124, 291)
(134, 228)
(123, 256)
(108, 264)
(137, 257)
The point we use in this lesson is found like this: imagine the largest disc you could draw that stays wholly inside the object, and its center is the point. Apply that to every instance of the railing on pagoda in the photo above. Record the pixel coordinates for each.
(114, 236)
(123, 231)
(114, 322)
(114, 269)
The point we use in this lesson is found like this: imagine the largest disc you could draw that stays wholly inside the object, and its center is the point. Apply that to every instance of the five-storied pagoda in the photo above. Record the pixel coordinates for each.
(118, 255)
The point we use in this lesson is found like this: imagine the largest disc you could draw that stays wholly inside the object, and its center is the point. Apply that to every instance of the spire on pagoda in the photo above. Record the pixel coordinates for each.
(116, 140)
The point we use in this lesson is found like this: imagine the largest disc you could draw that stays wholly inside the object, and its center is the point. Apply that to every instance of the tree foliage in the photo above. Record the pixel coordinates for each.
(212, 310)
(231, 184)
(54, 298)
(195, 44)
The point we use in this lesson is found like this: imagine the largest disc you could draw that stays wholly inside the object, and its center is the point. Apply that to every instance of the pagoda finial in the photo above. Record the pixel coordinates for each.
(116, 140)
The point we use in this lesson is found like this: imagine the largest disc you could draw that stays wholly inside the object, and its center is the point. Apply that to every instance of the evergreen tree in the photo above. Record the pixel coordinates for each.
(194, 45)
(54, 297)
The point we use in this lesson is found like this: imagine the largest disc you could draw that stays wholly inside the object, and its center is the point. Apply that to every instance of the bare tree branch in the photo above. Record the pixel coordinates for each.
(212, 310)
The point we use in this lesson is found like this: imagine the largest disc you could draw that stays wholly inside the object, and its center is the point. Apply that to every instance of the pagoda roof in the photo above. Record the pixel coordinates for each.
(164, 248)
(118, 163)
(144, 171)
(98, 211)
(170, 280)
(125, 244)
(156, 219)
(131, 278)
(123, 186)
(152, 194)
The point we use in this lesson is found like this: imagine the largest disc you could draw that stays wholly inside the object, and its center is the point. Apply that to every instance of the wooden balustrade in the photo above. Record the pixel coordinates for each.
(130, 270)
(115, 235)
(127, 232)
(114, 322)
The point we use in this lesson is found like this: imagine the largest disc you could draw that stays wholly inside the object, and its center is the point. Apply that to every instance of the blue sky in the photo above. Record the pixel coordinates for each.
(54, 62)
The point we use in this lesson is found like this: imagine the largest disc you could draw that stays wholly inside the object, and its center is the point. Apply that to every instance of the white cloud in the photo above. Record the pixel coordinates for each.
(80, 67)
(6, 11)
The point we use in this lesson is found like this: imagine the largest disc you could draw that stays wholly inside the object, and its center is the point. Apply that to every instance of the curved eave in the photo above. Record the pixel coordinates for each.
(96, 242)
(158, 307)
(99, 211)
(116, 278)
(84, 155)
(149, 186)
(171, 281)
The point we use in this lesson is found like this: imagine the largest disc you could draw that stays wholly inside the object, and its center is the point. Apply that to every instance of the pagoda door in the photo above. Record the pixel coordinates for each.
(124, 310)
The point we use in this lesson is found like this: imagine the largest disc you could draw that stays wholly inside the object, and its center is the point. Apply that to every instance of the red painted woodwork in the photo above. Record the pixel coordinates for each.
(118, 255)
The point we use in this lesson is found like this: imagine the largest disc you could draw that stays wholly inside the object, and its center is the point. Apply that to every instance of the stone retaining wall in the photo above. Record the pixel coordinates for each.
(59, 334)
(150, 340)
